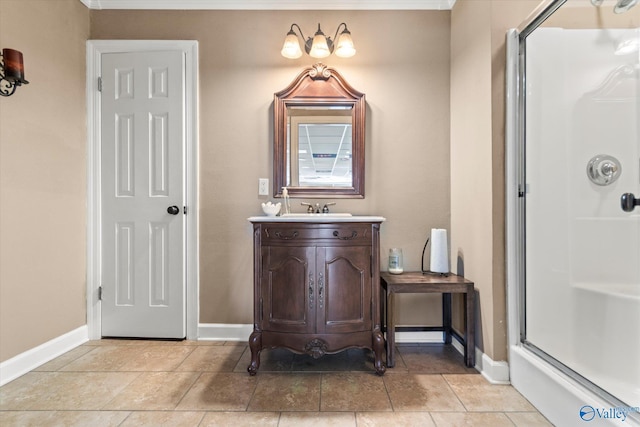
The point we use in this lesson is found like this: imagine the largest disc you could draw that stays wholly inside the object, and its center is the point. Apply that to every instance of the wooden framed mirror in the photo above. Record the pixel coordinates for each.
(318, 146)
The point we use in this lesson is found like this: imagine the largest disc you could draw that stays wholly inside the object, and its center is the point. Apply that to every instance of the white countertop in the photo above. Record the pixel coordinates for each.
(317, 218)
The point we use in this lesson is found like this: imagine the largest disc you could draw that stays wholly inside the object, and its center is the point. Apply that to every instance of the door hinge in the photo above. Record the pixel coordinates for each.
(100, 293)
(99, 84)
(261, 312)
(521, 191)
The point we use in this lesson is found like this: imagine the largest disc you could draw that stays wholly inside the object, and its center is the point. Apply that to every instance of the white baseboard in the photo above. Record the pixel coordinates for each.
(420, 337)
(224, 332)
(494, 372)
(31, 359)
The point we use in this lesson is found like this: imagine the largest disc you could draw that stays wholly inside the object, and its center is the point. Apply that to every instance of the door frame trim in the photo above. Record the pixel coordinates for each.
(94, 51)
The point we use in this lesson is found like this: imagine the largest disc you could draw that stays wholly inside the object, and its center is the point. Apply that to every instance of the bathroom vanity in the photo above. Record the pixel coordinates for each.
(316, 285)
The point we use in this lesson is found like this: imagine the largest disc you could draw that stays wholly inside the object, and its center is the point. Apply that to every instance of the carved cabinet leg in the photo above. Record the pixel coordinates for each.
(378, 349)
(255, 344)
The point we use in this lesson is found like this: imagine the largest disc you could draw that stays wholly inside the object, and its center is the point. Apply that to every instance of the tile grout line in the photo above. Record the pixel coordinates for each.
(321, 376)
(195, 381)
(384, 383)
(253, 392)
(454, 392)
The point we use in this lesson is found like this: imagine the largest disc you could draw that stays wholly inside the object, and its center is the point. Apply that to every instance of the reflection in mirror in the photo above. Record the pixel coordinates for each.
(319, 149)
(318, 146)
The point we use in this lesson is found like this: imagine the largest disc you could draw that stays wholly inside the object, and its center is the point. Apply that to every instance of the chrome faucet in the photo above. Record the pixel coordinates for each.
(325, 209)
(310, 207)
(316, 208)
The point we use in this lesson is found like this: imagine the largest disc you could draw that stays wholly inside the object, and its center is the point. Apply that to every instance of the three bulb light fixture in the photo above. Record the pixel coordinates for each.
(320, 46)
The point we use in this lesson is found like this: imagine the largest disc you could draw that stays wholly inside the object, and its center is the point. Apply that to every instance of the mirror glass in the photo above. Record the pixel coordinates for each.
(319, 147)
(319, 137)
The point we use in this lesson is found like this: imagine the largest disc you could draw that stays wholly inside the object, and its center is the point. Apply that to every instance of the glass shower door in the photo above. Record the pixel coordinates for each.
(582, 292)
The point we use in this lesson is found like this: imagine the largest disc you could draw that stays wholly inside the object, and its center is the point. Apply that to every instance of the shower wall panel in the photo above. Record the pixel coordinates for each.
(582, 249)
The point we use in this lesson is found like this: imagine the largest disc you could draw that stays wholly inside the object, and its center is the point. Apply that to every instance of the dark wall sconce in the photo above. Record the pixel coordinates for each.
(11, 72)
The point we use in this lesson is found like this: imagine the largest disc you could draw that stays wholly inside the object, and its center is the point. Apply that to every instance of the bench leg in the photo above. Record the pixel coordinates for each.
(470, 333)
(446, 317)
(391, 330)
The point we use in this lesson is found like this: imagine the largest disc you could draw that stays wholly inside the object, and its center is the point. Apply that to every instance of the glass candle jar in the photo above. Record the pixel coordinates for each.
(395, 261)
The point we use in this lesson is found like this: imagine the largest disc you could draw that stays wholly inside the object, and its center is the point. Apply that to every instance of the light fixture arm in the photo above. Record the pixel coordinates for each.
(307, 41)
(335, 37)
(299, 30)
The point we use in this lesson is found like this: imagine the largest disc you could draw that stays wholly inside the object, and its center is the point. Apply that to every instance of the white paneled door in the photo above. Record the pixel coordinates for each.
(142, 187)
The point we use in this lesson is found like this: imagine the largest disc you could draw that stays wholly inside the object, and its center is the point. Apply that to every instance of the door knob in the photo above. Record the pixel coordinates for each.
(173, 210)
(628, 202)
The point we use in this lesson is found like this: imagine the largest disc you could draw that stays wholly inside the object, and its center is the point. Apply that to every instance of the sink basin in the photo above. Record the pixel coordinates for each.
(311, 215)
(320, 218)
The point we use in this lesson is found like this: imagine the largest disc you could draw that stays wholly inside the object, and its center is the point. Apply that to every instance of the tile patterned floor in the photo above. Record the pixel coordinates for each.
(153, 383)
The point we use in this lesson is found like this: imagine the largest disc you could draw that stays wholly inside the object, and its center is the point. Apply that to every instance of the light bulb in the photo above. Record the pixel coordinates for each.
(319, 46)
(291, 48)
(344, 47)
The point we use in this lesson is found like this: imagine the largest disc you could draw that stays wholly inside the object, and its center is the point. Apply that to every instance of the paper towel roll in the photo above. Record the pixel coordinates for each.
(439, 251)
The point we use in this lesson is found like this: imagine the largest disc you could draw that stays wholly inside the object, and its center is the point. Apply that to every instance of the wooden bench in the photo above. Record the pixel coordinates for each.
(418, 282)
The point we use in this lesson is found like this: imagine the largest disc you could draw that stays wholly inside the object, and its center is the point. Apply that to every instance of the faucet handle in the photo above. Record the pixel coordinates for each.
(325, 209)
(309, 206)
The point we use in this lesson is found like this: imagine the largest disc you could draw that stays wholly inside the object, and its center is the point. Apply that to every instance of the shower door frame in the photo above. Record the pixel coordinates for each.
(532, 371)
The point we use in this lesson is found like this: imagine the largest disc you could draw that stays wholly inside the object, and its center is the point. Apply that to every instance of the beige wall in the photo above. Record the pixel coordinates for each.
(404, 74)
(478, 30)
(471, 171)
(478, 55)
(404, 71)
(42, 175)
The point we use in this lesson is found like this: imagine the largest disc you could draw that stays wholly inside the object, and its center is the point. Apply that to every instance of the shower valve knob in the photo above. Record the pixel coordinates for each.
(603, 169)
(628, 202)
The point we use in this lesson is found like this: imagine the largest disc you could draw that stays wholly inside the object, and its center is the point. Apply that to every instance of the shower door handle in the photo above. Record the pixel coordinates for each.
(628, 202)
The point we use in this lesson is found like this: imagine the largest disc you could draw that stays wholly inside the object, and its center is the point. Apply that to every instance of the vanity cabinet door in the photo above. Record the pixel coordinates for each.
(344, 289)
(288, 289)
